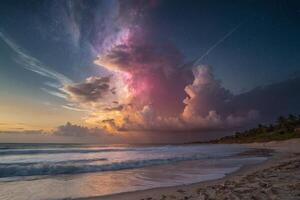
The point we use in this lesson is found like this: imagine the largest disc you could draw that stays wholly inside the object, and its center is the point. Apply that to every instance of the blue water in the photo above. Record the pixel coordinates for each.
(41, 171)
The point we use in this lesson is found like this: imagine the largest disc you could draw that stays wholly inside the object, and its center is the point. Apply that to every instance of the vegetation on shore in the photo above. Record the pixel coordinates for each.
(284, 128)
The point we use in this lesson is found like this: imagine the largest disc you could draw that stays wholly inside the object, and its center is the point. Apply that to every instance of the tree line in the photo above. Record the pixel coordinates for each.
(284, 128)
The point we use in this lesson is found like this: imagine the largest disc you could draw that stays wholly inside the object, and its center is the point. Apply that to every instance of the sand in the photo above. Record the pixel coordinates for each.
(277, 178)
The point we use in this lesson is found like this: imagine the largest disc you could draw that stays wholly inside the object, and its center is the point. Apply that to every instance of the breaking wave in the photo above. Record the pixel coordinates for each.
(77, 166)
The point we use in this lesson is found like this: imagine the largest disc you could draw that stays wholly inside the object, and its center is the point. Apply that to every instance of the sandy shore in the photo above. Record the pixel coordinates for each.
(277, 178)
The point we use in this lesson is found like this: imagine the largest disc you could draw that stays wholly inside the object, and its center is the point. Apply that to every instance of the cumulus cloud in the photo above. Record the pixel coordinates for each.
(209, 104)
(205, 94)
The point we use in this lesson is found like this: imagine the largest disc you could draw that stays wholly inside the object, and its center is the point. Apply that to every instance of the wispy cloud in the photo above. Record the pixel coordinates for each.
(55, 93)
(73, 108)
(33, 64)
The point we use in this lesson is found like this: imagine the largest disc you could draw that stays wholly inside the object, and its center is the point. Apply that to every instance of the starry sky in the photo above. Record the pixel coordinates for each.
(147, 65)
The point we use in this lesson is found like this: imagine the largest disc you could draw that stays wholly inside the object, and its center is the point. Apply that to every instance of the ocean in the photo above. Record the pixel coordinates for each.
(48, 171)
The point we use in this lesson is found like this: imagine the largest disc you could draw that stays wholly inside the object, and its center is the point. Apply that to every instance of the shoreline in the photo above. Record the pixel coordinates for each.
(281, 152)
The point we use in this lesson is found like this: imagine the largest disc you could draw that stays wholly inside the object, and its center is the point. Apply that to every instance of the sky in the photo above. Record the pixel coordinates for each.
(146, 70)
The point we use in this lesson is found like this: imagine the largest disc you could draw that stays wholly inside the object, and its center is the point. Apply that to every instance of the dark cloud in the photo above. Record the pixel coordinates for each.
(110, 124)
(138, 56)
(116, 108)
(271, 100)
(93, 89)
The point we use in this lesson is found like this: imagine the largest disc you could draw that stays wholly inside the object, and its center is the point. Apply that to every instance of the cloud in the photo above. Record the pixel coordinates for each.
(144, 68)
(149, 70)
(137, 55)
(272, 100)
(68, 133)
(152, 88)
(74, 130)
(207, 107)
(163, 95)
(208, 104)
(92, 90)
(115, 108)
(55, 92)
(205, 94)
(67, 130)
(74, 108)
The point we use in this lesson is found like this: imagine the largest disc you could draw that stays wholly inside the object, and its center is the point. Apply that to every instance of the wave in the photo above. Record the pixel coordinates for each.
(4, 152)
(57, 151)
(56, 162)
(11, 170)
(14, 151)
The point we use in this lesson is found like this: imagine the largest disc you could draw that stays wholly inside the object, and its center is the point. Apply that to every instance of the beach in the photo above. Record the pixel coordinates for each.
(276, 178)
(191, 171)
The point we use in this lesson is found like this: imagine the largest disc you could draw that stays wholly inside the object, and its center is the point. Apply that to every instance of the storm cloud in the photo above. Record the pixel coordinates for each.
(150, 71)
(156, 88)
(207, 107)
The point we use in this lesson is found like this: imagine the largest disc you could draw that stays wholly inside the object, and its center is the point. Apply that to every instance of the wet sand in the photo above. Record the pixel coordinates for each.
(277, 178)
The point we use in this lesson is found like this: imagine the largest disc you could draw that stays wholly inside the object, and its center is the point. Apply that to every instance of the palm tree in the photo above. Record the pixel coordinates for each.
(292, 119)
(281, 122)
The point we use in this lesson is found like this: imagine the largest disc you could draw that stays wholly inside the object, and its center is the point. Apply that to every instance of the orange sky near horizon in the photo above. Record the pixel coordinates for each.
(18, 114)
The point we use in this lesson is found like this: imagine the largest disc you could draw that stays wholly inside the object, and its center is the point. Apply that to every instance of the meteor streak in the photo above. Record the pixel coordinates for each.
(215, 45)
